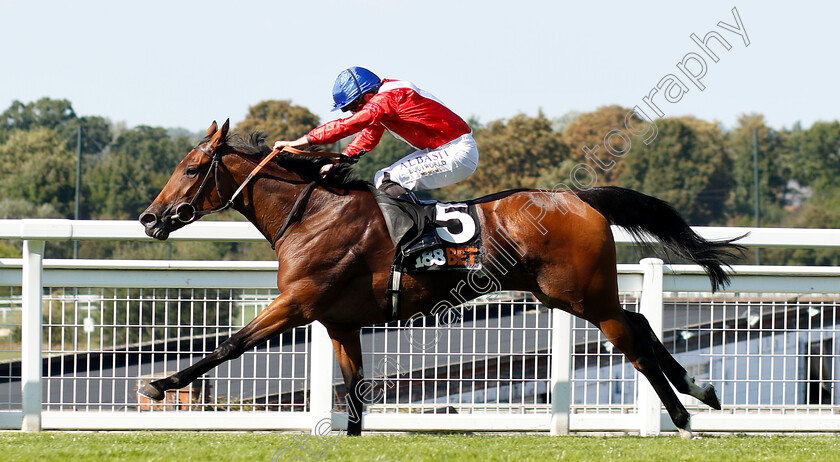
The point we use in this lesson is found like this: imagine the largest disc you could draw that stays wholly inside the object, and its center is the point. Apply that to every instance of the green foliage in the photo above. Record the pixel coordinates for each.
(686, 166)
(9, 250)
(96, 134)
(131, 175)
(281, 120)
(814, 154)
(22, 208)
(57, 115)
(36, 167)
(588, 131)
(46, 113)
(705, 173)
(773, 171)
(512, 154)
(388, 151)
(559, 124)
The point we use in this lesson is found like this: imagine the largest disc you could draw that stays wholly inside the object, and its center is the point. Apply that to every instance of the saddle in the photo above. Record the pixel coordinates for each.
(431, 235)
(406, 221)
(428, 236)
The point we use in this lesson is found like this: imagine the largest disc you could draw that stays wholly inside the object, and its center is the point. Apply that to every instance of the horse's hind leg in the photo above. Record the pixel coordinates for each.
(673, 369)
(635, 343)
(278, 317)
(638, 348)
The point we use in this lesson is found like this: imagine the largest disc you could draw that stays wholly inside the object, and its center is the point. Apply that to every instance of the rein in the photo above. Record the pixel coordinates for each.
(186, 212)
(333, 156)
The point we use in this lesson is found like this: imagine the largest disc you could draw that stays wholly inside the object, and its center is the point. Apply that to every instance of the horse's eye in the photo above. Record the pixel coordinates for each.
(191, 172)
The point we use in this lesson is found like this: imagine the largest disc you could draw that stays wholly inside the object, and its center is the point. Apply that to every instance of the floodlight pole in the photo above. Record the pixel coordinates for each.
(755, 181)
(78, 186)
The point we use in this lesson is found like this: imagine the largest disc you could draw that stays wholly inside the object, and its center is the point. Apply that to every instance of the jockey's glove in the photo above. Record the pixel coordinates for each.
(345, 159)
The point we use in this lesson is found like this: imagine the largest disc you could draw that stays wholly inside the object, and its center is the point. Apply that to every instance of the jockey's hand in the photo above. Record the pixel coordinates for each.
(301, 142)
(281, 144)
(325, 170)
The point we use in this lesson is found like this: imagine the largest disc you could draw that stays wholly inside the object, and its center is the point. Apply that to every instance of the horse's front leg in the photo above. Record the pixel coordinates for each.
(348, 351)
(281, 315)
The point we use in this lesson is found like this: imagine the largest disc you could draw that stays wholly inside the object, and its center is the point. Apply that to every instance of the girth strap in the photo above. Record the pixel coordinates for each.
(393, 292)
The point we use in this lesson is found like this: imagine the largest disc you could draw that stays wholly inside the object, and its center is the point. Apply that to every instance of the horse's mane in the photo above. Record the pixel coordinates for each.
(341, 176)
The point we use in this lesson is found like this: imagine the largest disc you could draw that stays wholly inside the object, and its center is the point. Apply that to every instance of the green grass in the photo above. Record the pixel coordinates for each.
(9, 355)
(207, 446)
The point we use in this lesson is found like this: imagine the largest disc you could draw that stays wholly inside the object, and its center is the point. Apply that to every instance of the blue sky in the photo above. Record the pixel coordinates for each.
(183, 64)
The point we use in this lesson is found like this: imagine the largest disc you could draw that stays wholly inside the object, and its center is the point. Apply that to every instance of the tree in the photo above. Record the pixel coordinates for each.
(388, 151)
(512, 154)
(772, 172)
(96, 134)
(22, 208)
(814, 155)
(58, 115)
(279, 119)
(129, 178)
(686, 166)
(36, 166)
(588, 131)
(559, 124)
(46, 112)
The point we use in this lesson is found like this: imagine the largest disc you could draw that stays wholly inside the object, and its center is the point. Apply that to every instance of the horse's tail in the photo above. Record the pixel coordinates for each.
(644, 216)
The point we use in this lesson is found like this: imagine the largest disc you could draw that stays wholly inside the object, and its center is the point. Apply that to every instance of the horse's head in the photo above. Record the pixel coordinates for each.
(193, 189)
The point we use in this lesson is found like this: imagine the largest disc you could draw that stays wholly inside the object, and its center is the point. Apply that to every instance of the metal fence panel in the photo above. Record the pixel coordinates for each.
(489, 356)
(768, 343)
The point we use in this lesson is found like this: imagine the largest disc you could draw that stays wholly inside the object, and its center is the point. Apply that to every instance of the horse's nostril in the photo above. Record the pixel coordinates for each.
(148, 219)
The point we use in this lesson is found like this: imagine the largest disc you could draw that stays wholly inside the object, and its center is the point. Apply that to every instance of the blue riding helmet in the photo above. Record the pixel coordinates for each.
(352, 83)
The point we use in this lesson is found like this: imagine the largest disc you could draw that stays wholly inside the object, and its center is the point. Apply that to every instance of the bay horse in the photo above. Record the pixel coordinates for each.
(335, 257)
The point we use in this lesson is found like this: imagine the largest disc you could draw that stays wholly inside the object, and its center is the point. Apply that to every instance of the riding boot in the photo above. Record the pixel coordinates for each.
(394, 189)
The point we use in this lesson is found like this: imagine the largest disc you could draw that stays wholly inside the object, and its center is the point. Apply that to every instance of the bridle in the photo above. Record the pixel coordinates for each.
(186, 213)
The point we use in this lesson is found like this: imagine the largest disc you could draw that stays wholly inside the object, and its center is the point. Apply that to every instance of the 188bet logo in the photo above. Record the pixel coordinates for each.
(462, 257)
(428, 258)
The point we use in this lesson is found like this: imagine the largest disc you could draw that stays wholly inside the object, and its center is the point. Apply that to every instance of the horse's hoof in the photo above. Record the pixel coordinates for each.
(710, 397)
(686, 434)
(151, 391)
(354, 429)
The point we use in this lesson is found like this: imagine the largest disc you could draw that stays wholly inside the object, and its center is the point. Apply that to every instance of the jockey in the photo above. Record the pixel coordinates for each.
(445, 154)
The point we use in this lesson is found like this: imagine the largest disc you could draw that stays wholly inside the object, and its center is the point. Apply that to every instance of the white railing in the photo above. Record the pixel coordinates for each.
(552, 342)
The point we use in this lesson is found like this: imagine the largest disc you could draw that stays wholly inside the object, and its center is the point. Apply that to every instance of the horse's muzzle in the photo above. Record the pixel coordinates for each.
(155, 227)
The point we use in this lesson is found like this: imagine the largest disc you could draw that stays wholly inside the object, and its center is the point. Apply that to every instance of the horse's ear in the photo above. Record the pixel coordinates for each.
(225, 127)
(212, 129)
(220, 136)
